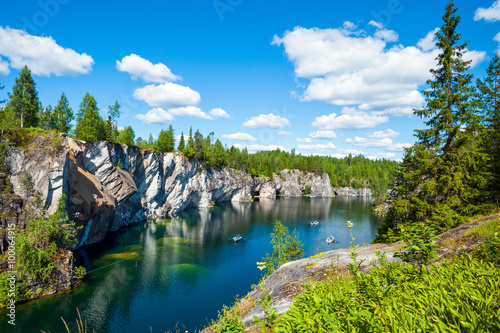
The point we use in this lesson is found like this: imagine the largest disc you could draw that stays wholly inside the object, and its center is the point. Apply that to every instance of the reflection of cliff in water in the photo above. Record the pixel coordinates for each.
(206, 225)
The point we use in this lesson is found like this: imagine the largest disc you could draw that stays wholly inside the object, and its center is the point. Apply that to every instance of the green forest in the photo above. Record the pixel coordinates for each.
(452, 172)
(23, 109)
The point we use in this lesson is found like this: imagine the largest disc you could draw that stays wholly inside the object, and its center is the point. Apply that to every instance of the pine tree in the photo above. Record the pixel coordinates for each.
(24, 99)
(189, 151)
(441, 173)
(46, 119)
(89, 124)
(182, 143)
(490, 104)
(63, 115)
(127, 136)
(2, 100)
(111, 124)
(166, 141)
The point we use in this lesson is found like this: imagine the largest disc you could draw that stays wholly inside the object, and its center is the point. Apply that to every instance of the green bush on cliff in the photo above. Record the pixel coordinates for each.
(286, 247)
(39, 246)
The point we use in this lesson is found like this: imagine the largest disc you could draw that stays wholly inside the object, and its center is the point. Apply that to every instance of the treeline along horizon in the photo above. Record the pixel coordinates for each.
(24, 110)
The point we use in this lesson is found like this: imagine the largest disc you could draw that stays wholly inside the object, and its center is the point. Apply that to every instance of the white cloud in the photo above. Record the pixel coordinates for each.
(156, 116)
(388, 133)
(376, 24)
(189, 111)
(387, 35)
(319, 147)
(285, 133)
(476, 56)
(267, 121)
(139, 67)
(305, 140)
(350, 119)
(4, 68)
(323, 135)
(382, 143)
(370, 143)
(378, 156)
(429, 41)
(349, 68)
(43, 55)
(490, 14)
(497, 39)
(218, 113)
(239, 136)
(349, 25)
(256, 148)
(167, 95)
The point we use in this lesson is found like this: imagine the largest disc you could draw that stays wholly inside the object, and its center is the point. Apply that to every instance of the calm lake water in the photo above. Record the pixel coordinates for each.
(175, 275)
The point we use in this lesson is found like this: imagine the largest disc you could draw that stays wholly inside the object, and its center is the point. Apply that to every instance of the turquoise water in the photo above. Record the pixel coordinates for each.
(176, 275)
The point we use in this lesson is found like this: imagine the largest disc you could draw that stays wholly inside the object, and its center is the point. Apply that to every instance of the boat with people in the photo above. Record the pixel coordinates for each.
(314, 223)
(237, 238)
(330, 240)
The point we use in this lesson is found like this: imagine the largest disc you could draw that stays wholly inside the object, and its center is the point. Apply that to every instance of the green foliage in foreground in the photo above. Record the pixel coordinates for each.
(286, 248)
(39, 246)
(459, 296)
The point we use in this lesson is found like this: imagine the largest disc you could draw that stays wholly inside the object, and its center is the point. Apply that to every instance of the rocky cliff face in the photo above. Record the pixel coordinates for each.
(112, 185)
(362, 192)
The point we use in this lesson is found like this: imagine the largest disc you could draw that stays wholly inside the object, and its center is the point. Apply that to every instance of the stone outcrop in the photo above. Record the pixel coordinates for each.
(109, 186)
(360, 192)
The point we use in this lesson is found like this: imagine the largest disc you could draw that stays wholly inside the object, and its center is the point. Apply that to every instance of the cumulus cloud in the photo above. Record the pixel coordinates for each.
(305, 140)
(189, 111)
(323, 135)
(239, 136)
(429, 41)
(167, 95)
(497, 39)
(218, 113)
(378, 156)
(319, 147)
(350, 119)
(156, 116)
(376, 24)
(348, 67)
(490, 14)
(284, 133)
(139, 67)
(42, 55)
(256, 148)
(388, 133)
(4, 68)
(382, 143)
(267, 121)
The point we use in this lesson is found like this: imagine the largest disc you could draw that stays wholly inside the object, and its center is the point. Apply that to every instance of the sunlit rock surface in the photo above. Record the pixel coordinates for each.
(109, 186)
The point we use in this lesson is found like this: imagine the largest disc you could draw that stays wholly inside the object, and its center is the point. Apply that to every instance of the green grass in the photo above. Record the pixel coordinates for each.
(487, 229)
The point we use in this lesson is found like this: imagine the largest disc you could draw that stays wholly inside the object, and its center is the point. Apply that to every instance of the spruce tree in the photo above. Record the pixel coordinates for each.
(490, 104)
(441, 175)
(166, 141)
(63, 115)
(127, 136)
(89, 124)
(24, 99)
(182, 143)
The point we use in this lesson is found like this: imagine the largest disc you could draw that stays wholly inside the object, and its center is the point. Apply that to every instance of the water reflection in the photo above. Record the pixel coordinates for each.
(180, 271)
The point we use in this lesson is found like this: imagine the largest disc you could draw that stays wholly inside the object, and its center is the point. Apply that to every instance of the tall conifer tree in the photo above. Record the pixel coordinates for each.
(490, 103)
(63, 115)
(24, 99)
(89, 124)
(441, 176)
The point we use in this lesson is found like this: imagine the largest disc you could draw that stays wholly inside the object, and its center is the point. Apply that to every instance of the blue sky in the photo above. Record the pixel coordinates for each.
(324, 77)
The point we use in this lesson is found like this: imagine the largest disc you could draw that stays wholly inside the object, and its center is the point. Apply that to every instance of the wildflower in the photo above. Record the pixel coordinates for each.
(349, 224)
